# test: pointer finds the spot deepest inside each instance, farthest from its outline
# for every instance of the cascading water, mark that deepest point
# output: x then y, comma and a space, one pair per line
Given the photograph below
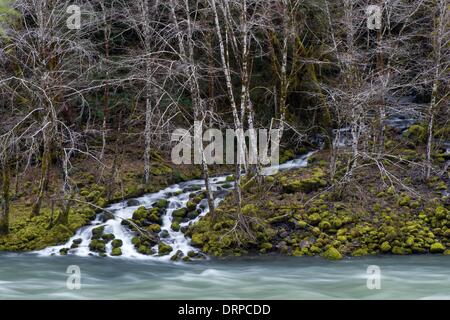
177, 197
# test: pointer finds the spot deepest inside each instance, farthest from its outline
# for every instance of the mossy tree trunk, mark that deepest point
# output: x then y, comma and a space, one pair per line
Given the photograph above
4, 213
43, 181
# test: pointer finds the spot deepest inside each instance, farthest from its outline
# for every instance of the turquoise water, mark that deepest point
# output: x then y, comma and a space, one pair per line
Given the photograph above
28, 276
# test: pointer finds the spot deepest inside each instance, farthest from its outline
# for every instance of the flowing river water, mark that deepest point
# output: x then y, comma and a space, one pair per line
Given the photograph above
28, 276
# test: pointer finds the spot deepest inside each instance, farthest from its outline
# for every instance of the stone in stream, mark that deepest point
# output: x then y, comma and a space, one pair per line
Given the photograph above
175, 226
117, 243
164, 234
116, 252
63, 251
164, 249
97, 232
133, 203
177, 256
191, 206
108, 237
105, 216
179, 213
77, 241
97, 246
161, 203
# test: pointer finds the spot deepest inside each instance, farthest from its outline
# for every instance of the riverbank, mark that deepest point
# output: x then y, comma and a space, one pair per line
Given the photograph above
301, 213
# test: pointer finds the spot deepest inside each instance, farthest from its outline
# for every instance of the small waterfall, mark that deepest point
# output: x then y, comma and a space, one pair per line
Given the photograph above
177, 197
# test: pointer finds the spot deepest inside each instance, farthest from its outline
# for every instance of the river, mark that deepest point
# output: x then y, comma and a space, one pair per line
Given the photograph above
28, 276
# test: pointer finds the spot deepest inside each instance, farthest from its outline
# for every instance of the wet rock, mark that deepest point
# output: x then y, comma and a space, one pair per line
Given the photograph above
164, 234
77, 241
437, 247
97, 246
133, 203
164, 249
97, 232
177, 256
116, 252
332, 254
179, 213
161, 203
175, 226
63, 251
108, 237
117, 243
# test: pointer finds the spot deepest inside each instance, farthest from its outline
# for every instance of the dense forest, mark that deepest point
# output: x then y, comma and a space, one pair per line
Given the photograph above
92, 91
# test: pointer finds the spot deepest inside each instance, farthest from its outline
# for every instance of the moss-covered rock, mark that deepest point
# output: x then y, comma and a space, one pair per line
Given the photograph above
116, 251
117, 243
437, 248
164, 249
332, 254
140, 214
97, 246
175, 226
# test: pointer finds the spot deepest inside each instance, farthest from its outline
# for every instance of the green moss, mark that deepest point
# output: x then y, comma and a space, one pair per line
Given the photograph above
116, 252
404, 201
191, 206
437, 247
175, 226
117, 243
249, 210
324, 225
314, 218
416, 133
360, 252
97, 246
179, 213
156, 228
108, 237
140, 214
98, 232
162, 203
441, 213
164, 249
332, 254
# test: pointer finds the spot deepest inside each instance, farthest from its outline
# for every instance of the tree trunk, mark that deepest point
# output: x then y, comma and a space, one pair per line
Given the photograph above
4, 214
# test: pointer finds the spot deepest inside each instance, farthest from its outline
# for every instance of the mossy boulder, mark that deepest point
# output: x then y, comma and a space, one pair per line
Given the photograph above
162, 203
437, 247
97, 232
116, 251
117, 243
164, 249
140, 214
175, 226
191, 206
108, 237
155, 228
179, 213
360, 252
97, 246
332, 254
